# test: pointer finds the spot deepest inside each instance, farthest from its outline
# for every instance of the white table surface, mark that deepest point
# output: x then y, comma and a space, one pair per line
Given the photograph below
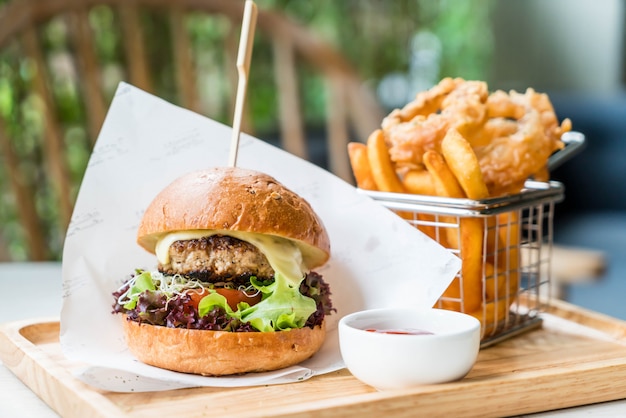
41, 297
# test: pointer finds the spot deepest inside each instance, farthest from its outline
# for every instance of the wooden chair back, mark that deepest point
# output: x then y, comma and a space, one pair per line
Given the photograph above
351, 110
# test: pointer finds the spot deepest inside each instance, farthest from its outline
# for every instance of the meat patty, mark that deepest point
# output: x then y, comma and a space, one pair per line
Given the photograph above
217, 258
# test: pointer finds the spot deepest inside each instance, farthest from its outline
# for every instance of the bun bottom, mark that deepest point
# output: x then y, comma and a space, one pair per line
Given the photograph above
220, 353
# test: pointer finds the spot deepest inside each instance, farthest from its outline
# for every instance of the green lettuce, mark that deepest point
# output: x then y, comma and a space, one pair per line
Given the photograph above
282, 306
141, 283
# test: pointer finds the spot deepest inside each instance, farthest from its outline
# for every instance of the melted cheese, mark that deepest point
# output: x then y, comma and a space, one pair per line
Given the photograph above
282, 254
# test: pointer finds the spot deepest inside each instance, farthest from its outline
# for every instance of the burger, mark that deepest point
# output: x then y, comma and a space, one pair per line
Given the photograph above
234, 290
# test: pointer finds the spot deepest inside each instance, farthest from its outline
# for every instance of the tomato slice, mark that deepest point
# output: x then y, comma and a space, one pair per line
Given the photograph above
196, 296
233, 297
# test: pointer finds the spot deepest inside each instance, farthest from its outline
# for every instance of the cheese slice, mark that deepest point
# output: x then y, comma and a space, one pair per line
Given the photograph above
282, 254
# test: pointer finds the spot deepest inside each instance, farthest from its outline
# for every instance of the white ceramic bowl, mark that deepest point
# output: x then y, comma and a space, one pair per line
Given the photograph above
393, 361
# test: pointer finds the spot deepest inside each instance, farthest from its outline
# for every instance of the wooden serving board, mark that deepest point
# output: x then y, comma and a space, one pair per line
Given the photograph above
578, 357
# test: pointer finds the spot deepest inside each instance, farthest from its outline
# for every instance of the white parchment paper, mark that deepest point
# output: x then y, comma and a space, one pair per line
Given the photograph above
378, 260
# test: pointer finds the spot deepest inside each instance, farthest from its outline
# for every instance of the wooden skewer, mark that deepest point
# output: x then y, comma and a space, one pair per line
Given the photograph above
244, 55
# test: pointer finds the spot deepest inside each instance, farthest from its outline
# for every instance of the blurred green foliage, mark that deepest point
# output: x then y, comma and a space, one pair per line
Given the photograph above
374, 35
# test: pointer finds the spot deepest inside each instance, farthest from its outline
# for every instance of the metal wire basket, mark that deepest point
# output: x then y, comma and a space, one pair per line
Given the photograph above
513, 265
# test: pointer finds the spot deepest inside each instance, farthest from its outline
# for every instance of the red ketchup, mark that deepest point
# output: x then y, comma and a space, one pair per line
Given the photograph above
406, 331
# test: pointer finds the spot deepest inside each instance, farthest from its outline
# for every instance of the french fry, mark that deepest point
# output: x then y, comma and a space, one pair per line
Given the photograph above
491, 314
444, 181
357, 153
430, 227
502, 289
495, 283
494, 248
418, 181
381, 165
451, 297
471, 246
425, 223
407, 216
471, 232
510, 236
421, 182
462, 161
446, 185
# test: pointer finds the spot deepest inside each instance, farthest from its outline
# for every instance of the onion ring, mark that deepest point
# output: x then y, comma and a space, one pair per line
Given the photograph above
513, 134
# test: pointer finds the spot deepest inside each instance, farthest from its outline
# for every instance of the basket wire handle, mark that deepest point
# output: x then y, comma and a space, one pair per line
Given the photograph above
574, 143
